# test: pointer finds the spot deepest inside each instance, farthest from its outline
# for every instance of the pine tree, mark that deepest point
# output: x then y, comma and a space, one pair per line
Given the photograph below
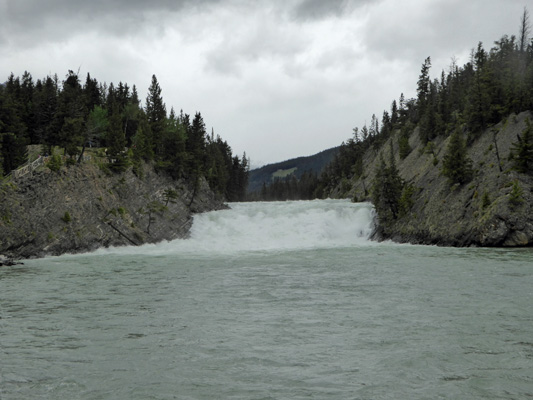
387, 190
522, 150
45, 110
483, 100
196, 144
130, 116
116, 142
394, 113
13, 151
71, 112
27, 91
157, 114
423, 87
95, 129
174, 156
91, 93
71, 135
524, 32
141, 142
13, 128
403, 142
456, 165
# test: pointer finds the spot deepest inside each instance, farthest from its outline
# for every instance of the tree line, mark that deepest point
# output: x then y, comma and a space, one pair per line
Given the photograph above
73, 116
288, 188
461, 103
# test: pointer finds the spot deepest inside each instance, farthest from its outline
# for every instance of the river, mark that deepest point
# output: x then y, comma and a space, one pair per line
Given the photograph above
285, 300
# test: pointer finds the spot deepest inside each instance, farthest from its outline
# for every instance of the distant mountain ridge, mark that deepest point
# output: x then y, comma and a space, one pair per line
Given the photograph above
296, 166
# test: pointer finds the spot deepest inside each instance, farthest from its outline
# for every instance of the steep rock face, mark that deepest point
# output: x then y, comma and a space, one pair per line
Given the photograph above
481, 212
82, 208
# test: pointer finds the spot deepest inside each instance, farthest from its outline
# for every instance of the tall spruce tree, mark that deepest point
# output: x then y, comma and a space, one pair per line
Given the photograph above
116, 141
456, 165
522, 150
387, 190
157, 114
423, 87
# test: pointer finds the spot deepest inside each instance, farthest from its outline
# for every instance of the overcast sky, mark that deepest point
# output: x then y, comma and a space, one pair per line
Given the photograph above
278, 79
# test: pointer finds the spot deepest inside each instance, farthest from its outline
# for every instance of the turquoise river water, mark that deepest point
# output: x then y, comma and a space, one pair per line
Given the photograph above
284, 300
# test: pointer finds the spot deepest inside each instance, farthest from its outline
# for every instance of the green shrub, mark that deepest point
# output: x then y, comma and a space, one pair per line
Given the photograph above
66, 218
456, 165
485, 200
522, 151
55, 163
406, 200
516, 196
403, 145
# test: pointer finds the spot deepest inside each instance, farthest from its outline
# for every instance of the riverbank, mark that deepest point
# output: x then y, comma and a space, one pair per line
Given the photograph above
493, 209
84, 207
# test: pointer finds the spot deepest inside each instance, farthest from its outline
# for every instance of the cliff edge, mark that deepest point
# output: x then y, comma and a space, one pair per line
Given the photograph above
494, 208
82, 208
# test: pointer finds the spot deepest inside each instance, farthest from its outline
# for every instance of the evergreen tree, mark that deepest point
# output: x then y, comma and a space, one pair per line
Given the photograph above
374, 126
13, 151
387, 190
157, 114
69, 119
174, 157
423, 86
524, 32
141, 142
196, 144
364, 133
95, 128
130, 116
116, 142
394, 113
479, 100
73, 116
522, 150
45, 110
456, 165
403, 142
71, 135
13, 129
27, 91
402, 109
91, 93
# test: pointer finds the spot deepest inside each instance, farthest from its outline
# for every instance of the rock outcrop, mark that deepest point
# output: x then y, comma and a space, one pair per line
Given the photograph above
82, 208
483, 212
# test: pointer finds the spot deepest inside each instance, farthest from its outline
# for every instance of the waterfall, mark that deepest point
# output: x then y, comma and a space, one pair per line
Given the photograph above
272, 226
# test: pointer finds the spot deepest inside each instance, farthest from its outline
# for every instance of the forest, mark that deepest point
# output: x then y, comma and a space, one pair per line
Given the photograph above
463, 101
68, 119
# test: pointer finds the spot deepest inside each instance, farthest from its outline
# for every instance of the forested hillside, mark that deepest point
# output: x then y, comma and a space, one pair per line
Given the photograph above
293, 179
67, 117
453, 165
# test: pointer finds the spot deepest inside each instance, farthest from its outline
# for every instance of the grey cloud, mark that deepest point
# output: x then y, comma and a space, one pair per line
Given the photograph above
319, 9
30, 22
253, 41
35, 9
444, 29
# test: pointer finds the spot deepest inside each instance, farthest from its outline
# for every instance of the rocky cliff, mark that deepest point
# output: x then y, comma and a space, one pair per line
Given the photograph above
82, 207
495, 208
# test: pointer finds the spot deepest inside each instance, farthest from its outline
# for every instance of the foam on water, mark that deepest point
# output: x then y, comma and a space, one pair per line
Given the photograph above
272, 226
